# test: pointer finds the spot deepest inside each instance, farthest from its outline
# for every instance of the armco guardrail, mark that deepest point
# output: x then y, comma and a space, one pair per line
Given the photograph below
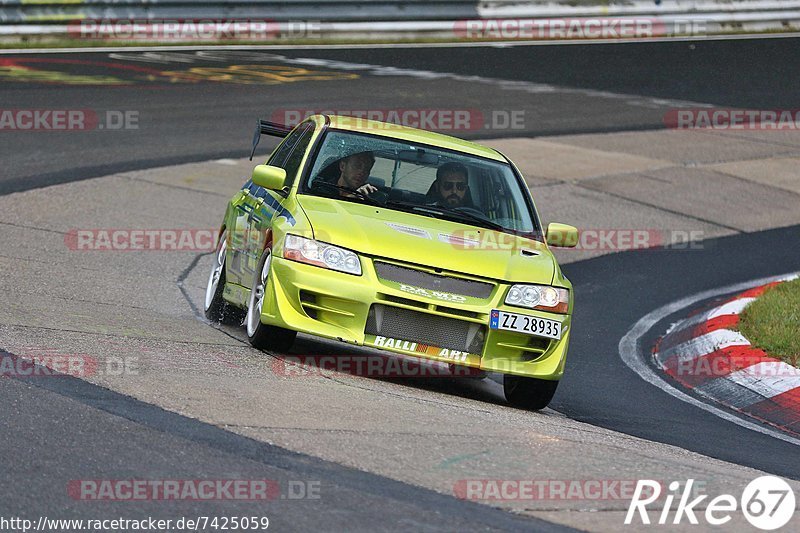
577, 8
26, 12
367, 19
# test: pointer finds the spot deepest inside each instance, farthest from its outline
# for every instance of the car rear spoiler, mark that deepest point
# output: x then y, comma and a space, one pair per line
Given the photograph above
265, 127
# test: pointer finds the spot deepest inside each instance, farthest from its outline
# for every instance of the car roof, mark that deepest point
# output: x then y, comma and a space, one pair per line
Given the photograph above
406, 133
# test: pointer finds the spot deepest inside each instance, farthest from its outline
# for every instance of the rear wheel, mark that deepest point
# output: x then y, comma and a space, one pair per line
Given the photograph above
260, 335
528, 393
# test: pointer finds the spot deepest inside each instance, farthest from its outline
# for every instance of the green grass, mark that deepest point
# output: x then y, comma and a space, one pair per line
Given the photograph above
772, 322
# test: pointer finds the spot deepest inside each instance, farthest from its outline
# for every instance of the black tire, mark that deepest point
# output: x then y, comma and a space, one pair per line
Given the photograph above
263, 336
528, 393
215, 307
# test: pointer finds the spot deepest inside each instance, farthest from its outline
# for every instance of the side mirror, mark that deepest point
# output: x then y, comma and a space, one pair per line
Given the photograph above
562, 235
269, 177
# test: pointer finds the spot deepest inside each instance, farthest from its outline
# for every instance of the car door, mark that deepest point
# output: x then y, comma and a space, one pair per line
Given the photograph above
263, 204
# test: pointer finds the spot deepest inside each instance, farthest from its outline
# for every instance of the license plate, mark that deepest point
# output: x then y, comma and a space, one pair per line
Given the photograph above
540, 327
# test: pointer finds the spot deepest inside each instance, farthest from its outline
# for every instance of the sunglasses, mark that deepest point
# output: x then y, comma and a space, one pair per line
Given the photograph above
449, 185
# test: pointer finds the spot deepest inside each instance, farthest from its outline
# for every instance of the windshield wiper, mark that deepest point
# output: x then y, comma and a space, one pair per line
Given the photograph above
450, 213
479, 218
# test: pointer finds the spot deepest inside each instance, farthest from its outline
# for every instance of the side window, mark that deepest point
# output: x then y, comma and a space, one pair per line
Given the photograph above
292, 164
279, 156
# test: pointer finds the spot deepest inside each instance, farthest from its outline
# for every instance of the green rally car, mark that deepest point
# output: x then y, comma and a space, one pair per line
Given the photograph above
398, 239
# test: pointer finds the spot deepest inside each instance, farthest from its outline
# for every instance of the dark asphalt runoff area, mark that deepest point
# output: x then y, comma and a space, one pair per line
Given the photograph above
559, 88
615, 292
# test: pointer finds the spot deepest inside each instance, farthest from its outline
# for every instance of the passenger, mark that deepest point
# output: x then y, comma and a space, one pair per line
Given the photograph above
451, 188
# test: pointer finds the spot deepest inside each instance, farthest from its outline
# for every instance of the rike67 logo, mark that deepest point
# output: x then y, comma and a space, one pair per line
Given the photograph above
767, 503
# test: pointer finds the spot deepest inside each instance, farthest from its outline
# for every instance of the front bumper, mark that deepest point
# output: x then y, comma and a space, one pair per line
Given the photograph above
334, 305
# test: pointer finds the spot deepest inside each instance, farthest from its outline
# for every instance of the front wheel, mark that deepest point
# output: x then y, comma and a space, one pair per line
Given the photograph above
260, 335
528, 393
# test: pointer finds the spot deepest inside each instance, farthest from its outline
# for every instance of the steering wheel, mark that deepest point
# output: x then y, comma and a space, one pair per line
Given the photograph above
380, 195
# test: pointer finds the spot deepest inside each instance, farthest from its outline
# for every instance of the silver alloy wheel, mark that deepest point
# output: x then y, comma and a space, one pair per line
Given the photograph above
256, 302
216, 271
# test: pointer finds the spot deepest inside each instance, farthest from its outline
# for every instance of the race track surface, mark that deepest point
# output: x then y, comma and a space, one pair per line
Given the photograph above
387, 454
560, 89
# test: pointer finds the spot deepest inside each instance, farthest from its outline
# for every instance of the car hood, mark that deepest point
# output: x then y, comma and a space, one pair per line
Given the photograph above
423, 240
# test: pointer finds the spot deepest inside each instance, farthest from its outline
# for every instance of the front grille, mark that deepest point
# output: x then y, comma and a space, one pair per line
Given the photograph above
423, 305
425, 328
434, 282
402, 301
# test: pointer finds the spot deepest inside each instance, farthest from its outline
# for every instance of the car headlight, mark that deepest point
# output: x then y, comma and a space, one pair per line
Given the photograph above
541, 297
321, 254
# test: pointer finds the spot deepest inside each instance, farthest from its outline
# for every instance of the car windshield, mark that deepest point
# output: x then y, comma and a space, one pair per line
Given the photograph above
420, 179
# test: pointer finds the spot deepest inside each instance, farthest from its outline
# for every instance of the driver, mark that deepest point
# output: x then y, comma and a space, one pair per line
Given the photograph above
451, 188
353, 174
